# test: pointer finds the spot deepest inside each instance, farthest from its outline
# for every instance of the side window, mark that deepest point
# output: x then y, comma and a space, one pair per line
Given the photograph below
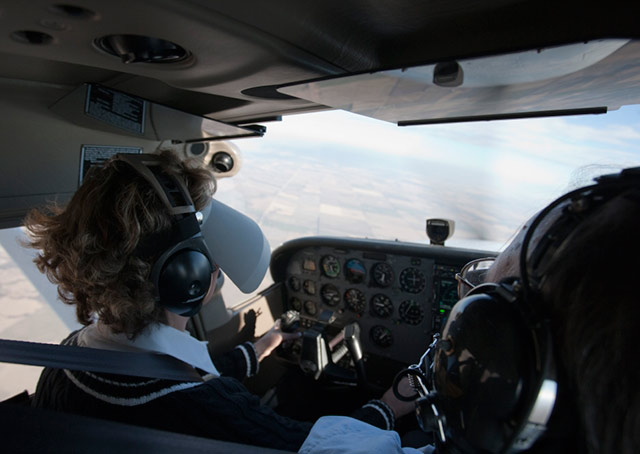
29, 310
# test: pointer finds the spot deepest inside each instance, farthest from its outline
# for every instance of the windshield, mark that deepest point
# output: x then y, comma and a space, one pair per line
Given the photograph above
339, 174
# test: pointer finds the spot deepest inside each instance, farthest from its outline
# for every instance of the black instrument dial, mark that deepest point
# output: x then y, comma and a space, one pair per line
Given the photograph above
309, 264
310, 307
330, 266
382, 274
295, 304
294, 284
411, 312
381, 336
412, 280
355, 300
381, 306
309, 287
330, 294
355, 271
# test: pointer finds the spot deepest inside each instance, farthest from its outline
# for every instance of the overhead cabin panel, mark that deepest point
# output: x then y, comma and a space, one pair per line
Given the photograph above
238, 52
224, 58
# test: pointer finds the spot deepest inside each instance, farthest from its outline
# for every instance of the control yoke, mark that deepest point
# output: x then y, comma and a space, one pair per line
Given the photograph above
319, 355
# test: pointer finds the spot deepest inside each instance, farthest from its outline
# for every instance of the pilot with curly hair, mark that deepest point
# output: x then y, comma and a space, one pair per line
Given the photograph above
101, 250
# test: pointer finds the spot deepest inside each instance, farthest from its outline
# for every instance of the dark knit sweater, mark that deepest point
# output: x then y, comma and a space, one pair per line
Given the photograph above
220, 408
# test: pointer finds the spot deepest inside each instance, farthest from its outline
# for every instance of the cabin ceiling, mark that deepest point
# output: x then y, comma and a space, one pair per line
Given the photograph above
240, 52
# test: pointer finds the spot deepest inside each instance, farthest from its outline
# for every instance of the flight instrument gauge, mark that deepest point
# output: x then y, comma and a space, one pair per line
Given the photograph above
412, 280
330, 266
355, 300
330, 294
310, 307
381, 336
309, 287
295, 304
355, 271
411, 312
294, 283
381, 306
382, 274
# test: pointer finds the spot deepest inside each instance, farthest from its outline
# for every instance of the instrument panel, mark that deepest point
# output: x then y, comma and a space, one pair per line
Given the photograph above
398, 293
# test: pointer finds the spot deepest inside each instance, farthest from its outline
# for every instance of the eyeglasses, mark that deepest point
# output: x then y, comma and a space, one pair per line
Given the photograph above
473, 274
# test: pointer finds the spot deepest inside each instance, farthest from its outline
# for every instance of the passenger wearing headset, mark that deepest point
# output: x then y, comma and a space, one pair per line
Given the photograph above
138, 250
537, 356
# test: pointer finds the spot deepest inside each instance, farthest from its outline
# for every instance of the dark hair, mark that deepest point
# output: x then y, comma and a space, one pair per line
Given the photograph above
591, 289
88, 247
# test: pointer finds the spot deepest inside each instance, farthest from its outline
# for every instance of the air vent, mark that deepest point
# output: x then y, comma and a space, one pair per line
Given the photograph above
222, 162
75, 12
31, 37
142, 49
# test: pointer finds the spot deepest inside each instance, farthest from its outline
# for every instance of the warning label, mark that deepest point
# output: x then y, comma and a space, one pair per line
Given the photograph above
115, 108
96, 155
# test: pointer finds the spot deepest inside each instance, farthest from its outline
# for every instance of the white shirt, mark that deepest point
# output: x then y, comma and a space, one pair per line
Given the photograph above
343, 435
157, 338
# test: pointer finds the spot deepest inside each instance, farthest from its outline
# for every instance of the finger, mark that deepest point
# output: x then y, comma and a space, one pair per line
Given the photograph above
290, 336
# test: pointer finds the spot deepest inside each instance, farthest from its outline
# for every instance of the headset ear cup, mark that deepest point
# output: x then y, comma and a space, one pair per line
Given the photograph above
181, 273
184, 281
482, 370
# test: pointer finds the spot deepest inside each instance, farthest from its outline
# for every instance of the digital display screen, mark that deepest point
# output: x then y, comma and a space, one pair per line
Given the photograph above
448, 294
445, 294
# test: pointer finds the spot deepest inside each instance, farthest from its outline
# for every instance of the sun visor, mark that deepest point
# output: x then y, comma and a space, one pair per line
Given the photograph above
237, 245
583, 78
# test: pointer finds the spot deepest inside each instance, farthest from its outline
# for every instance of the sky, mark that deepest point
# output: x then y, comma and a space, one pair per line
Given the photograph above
489, 177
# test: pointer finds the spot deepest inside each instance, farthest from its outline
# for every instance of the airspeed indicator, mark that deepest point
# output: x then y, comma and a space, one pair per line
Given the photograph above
330, 266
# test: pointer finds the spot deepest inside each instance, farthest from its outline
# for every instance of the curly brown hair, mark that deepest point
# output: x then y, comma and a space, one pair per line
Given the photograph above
88, 247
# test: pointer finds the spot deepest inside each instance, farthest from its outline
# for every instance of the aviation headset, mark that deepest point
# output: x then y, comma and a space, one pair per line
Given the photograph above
493, 374
181, 273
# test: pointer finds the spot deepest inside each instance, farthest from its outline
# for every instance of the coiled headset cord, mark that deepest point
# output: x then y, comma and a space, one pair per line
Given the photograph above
417, 375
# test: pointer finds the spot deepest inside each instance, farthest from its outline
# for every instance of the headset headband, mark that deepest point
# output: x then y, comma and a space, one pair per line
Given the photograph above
584, 201
172, 191
232, 239
182, 267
